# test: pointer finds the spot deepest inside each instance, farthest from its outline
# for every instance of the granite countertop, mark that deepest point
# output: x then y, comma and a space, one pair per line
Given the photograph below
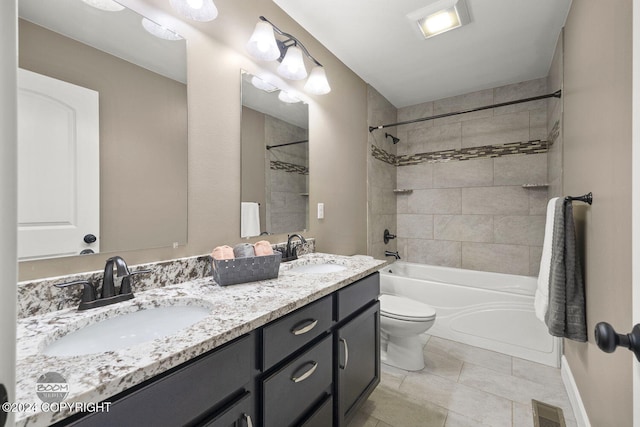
235, 311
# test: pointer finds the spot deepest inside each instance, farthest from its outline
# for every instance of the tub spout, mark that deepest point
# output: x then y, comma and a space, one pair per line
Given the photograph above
393, 254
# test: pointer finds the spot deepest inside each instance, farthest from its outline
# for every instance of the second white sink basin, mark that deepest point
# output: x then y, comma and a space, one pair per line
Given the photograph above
127, 330
318, 268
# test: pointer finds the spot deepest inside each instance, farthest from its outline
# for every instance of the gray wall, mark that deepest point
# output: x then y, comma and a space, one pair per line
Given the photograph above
474, 213
253, 166
597, 158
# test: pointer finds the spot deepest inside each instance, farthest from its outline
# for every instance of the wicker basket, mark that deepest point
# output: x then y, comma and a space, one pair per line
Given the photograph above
242, 270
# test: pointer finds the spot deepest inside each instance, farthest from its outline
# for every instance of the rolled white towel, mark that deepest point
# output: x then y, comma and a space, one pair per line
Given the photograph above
541, 301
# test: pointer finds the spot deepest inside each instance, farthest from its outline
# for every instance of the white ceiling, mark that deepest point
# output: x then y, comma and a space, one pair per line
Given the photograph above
507, 41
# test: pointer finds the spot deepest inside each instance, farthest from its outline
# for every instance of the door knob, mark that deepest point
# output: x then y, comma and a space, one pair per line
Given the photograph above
608, 339
89, 238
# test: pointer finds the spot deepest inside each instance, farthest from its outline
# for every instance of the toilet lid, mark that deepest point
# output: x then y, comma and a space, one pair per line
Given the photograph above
404, 308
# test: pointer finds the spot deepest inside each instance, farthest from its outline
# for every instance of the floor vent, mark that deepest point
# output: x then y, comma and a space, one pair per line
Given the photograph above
545, 415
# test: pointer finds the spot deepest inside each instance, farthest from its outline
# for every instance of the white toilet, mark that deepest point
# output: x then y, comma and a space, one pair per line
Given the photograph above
402, 320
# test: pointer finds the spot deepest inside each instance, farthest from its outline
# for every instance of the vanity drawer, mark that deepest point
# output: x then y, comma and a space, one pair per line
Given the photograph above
322, 416
284, 336
183, 395
292, 390
357, 295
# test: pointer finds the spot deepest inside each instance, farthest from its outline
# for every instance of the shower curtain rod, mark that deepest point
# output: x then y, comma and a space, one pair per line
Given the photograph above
269, 147
556, 94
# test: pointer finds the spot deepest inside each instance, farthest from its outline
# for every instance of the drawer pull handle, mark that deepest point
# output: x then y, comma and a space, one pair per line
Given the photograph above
306, 374
247, 420
297, 330
346, 353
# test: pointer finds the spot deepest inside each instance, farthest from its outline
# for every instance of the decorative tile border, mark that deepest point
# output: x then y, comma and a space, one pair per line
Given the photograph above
555, 133
485, 151
289, 167
382, 155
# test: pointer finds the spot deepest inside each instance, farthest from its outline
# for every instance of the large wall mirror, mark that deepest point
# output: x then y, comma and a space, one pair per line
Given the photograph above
275, 160
102, 125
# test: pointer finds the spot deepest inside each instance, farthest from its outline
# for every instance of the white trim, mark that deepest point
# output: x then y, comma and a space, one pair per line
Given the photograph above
574, 395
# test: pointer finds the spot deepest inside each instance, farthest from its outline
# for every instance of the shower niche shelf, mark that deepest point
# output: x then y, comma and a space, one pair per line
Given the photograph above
541, 185
402, 190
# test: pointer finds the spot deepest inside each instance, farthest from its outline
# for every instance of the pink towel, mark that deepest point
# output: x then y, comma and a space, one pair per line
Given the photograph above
223, 252
263, 247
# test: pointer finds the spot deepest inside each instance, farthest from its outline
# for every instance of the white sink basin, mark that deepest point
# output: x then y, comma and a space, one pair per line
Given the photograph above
318, 268
127, 330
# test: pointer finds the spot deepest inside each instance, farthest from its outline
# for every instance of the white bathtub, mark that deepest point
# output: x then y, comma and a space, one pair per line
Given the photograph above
488, 310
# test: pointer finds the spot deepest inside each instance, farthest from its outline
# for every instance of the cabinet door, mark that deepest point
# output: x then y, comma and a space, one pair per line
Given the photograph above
358, 367
239, 413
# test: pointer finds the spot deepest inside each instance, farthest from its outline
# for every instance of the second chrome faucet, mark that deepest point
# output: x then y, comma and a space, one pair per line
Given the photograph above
108, 295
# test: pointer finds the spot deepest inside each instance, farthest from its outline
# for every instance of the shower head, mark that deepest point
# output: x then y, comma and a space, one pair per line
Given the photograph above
393, 138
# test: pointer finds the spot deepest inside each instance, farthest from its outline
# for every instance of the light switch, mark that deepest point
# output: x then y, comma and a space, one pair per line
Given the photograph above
320, 210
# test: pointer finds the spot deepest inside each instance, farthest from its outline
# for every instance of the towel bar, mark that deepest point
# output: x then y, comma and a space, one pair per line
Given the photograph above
587, 198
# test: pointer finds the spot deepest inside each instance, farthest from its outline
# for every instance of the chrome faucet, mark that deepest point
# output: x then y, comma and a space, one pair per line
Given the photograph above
292, 253
108, 294
393, 254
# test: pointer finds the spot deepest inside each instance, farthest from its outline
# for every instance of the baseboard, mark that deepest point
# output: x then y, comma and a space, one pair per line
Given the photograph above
574, 395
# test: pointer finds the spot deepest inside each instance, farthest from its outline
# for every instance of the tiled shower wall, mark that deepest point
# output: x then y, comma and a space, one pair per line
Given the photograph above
288, 177
381, 177
472, 213
554, 122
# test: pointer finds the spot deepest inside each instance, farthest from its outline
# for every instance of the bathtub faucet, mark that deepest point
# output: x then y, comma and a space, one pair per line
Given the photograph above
393, 254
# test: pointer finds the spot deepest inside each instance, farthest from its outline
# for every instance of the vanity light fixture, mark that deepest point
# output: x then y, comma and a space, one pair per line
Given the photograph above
440, 17
107, 5
198, 10
261, 84
159, 31
290, 52
287, 97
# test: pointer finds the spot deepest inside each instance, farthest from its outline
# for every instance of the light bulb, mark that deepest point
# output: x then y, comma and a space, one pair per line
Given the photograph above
317, 82
287, 97
195, 4
198, 10
292, 66
262, 44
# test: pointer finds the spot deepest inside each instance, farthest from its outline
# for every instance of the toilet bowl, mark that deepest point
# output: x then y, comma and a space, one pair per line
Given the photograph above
402, 320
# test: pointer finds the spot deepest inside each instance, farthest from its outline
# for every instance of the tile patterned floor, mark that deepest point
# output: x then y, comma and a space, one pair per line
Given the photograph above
463, 386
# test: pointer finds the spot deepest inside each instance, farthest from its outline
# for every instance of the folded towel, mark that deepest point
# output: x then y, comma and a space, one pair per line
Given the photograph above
243, 250
566, 316
249, 219
263, 247
222, 252
541, 301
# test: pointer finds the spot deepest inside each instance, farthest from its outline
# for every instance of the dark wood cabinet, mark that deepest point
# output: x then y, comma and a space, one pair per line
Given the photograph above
358, 361
198, 390
313, 367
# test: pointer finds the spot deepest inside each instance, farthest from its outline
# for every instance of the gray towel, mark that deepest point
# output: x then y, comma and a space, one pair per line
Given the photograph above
566, 316
243, 250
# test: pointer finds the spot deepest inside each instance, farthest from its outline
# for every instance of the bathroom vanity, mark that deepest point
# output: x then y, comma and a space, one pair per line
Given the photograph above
302, 349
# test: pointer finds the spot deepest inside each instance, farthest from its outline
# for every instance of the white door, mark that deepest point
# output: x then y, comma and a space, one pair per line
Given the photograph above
58, 167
